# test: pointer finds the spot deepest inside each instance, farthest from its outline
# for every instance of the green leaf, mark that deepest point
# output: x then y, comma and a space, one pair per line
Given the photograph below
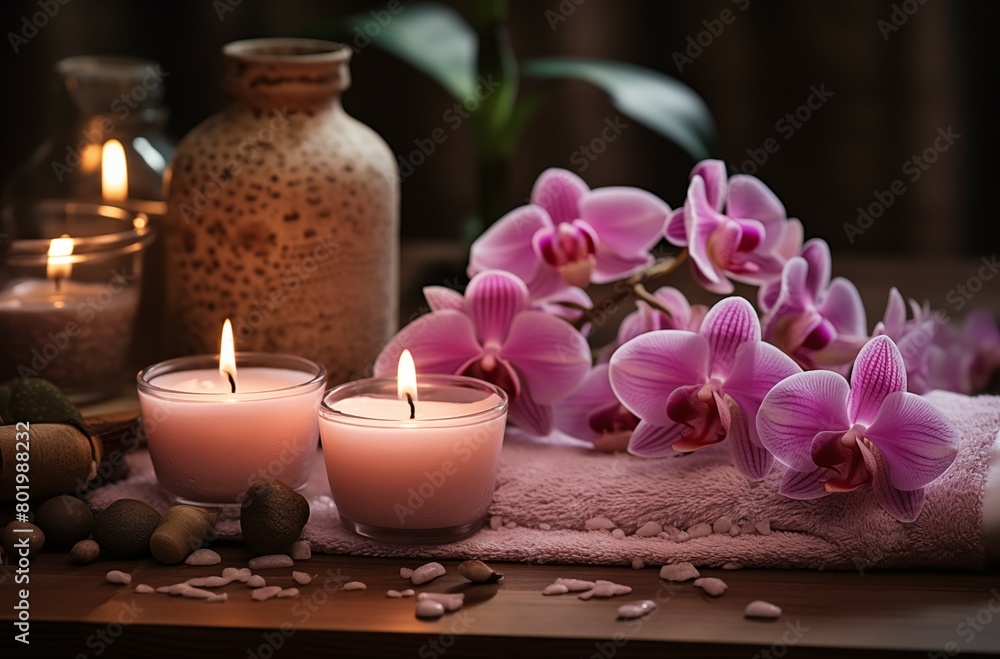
657, 101
429, 37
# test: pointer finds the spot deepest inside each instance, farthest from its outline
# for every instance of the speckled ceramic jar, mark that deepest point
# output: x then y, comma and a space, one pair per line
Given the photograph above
283, 215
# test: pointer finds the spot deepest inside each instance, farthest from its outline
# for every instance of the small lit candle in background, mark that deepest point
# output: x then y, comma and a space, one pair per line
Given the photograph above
215, 424
413, 459
114, 172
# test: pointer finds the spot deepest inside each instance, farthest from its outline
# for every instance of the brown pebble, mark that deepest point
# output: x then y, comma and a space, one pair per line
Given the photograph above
270, 561
478, 572
84, 552
16, 532
300, 550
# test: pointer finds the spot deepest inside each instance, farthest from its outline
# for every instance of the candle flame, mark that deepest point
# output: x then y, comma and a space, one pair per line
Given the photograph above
114, 172
406, 377
227, 355
57, 264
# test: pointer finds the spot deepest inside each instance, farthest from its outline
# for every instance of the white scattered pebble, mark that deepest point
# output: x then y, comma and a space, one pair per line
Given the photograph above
117, 576
671, 531
427, 572
734, 531
638, 563
203, 557
711, 585
144, 589
496, 522
300, 550
732, 566
574, 585
302, 578
618, 533
208, 582
664, 535
256, 581
196, 593
604, 588
764, 527
218, 597
429, 609
762, 609
700, 530
545, 526
450, 601
271, 561
510, 525
599, 523
748, 528
679, 572
409, 592
232, 573
636, 609
555, 589
681, 536
722, 525
648, 530
288, 592
395, 594
174, 589
405, 572
244, 574
266, 593
354, 585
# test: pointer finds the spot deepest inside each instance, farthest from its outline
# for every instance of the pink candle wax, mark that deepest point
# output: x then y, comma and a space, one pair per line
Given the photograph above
208, 445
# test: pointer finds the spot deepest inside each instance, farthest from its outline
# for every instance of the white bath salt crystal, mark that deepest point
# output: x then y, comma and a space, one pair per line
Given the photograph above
734, 531
354, 585
762, 609
648, 530
203, 557
679, 572
300, 550
711, 585
208, 582
288, 592
218, 597
636, 609
618, 533
144, 589
555, 589
681, 536
450, 601
731, 566
748, 528
117, 576
587, 595
722, 525
575, 585
671, 531
764, 527
195, 593
395, 594
604, 588
302, 578
638, 564
271, 561
545, 526
244, 574
496, 522
405, 572
232, 573
599, 523
426, 573
663, 535
700, 530
429, 609
262, 594
510, 525
174, 589
409, 592
256, 581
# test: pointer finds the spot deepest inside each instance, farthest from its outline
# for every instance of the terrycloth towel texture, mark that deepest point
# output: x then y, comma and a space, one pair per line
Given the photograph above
565, 486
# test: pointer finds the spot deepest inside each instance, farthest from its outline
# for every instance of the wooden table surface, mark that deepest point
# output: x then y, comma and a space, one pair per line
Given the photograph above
75, 613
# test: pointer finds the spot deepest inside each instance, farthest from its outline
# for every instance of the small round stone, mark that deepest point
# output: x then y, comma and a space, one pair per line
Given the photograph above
711, 585
429, 609
84, 552
762, 609
631, 610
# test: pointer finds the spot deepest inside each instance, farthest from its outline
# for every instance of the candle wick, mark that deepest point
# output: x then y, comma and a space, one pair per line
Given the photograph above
413, 409
232, 382
58, 281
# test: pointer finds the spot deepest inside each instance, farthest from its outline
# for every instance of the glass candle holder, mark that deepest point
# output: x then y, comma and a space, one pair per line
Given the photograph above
69, 291
209, 445
422, 480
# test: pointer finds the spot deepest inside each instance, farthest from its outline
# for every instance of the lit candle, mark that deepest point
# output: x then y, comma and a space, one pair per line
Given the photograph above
212, 435
413, 459
114, 172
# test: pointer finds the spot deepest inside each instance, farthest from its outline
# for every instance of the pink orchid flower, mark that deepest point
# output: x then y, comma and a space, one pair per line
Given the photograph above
492, 334
593, 413
570, 236
733, 230
818, 322
683, 315
835, 437
695, 389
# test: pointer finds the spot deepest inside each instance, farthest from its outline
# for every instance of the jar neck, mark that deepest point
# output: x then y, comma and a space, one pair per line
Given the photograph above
290, 73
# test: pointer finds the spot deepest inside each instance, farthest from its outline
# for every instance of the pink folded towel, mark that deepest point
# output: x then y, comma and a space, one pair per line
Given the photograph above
564, 486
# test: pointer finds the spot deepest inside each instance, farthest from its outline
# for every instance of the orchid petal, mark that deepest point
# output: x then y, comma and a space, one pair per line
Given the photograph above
507, 244
729, 324
904, 505
790, 241
816, 253
798, 408
878, 371
440, 298
559, 191
500, 373
441, 342
895, 314
593, 392
648, 368
700, 221
753, 460
843, 307
628, 220
674, 229
530, 415
612, 265
750, 199
652, 441
758, 367
493, 299
917, 441
713, 173
706, 422
768, 294
804, 485
550, 355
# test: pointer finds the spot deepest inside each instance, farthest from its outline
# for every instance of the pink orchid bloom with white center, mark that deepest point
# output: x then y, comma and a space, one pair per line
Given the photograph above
838, 437
695, 389
570, 236
818, 322
735, 229
683, 315
593, 413
491, 333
